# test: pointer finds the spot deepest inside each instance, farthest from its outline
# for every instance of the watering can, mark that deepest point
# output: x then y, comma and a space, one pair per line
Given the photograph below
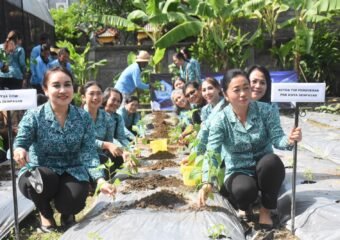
159, 145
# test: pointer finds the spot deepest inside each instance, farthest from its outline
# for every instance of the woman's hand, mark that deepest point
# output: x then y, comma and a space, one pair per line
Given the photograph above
203, 194
113, 149
127, 159
20, 156
107, 188
185, 161
295, 135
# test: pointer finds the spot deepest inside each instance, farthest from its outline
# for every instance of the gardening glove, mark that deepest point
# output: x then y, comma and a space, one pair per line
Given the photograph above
203, 194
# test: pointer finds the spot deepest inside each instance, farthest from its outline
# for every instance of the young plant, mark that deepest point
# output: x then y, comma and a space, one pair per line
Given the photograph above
4, 59
94, 236
308, 175
107, 166
217, 231
140, 128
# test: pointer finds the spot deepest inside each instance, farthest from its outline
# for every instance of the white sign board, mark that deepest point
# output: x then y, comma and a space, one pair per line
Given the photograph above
18, 99
298, 92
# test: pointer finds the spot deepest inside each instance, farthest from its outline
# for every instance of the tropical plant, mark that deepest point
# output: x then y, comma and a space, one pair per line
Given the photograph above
220, 43
159, 14
66, 22
320, 63
308, 13
83, 70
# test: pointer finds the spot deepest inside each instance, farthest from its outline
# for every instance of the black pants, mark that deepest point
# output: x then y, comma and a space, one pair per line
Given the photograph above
11, 83
68, 193
242, 190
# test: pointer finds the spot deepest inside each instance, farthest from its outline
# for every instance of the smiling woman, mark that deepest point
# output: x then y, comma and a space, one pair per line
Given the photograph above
260, 83
58, 140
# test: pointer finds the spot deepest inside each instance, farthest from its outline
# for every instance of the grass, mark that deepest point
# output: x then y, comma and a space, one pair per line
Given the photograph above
28, 227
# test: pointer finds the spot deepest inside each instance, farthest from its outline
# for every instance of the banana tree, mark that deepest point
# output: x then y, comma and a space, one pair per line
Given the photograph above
308, 13
267, 13
159, 14
220, 42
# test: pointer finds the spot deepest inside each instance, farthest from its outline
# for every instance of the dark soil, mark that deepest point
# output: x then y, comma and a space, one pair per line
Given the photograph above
162, 165
5, 173
161, 155
152, 182
161, 200
160, 126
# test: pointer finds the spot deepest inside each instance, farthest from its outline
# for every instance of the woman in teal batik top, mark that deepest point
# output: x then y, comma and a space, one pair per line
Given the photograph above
244, 132
112, 100
58, 139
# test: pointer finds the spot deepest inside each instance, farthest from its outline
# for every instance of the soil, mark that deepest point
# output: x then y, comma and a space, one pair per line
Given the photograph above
161, 155
164, 199
162, 165
160, 126
152, 182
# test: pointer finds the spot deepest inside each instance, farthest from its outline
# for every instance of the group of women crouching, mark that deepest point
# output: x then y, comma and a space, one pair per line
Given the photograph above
239, 123
66, 144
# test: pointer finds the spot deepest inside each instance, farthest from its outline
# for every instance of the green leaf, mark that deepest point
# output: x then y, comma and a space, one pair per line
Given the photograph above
180, 32
204, 10
117, 182
137, 15
217, 5
118, 22
159, 55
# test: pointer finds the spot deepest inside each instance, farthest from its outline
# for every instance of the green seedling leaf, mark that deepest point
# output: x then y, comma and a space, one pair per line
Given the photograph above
117, 182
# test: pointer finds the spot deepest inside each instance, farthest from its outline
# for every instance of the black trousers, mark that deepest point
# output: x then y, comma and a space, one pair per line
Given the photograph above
68, 193
242, 190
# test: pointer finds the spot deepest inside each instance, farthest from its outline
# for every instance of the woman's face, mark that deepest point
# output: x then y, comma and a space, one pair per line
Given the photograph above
10, 46
132, 107
258, 84
179, 84
210, 93
93, 97
59, 89
180, 100
193, 95
113, 103
238, 93
177, 62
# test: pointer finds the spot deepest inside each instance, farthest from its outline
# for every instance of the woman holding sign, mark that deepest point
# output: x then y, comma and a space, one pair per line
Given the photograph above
56, 142
245, 133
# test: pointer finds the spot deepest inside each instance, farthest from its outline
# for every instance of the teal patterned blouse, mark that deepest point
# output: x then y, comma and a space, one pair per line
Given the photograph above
203, 134
129, 121
242, 146
207, 109
103, 128
69, 149
189, 72
119, 137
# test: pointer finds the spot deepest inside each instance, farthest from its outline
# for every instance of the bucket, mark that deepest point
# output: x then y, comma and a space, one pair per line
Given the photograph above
186, 171
159, 145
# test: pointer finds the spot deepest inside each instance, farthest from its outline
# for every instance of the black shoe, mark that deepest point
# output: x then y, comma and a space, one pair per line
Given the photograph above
67, 221
266, 227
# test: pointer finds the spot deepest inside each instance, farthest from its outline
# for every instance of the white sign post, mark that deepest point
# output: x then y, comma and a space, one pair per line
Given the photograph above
297, 93
16, 100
